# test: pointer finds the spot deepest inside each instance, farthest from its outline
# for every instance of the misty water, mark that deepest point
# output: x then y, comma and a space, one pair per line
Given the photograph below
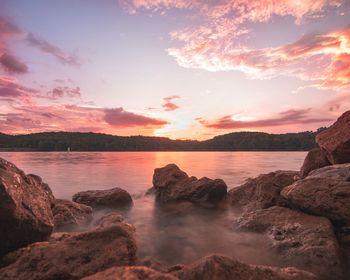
169, 238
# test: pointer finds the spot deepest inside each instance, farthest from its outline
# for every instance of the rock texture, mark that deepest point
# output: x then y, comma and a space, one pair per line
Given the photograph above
25, 208
115, 198
130, 273
172, 184
69, 215
301, 240
335, 140
218, 267
316, 158
73, 255
325, 192
262, 191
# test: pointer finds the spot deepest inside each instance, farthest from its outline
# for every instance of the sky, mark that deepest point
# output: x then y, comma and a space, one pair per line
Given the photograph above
180, 69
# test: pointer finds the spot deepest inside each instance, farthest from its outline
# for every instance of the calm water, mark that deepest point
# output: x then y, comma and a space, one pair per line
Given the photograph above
170, 239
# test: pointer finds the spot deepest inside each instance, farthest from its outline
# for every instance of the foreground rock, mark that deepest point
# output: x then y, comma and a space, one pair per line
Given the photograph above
217, 267
301, 240
69, 215
316, 158
73, 255
325, 192
335, 140
172, 184
115, 198
25, 208
262, 191
130, 273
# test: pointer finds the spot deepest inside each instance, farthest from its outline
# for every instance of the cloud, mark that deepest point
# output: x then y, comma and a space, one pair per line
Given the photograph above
292, 116
65, 91
12, 64
169, 105
7, 30
48, 48
118, 117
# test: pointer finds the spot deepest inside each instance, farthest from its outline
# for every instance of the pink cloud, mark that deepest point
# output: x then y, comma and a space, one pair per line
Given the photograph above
12, 64
169, 105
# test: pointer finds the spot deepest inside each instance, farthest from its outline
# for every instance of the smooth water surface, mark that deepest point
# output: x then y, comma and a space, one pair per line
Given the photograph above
168, 238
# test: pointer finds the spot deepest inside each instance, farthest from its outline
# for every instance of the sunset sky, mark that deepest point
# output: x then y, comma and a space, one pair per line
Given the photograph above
180, 69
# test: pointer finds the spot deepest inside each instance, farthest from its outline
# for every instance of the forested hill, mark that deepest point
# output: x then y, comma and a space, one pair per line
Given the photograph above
237, 141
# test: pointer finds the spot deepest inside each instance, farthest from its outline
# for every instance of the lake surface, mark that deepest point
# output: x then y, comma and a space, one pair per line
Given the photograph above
168, 238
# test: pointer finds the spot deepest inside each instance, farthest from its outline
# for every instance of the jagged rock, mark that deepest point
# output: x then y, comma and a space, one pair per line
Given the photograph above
262, 191
325, 192
25, 208
218, 267
172, 184
115, 198
69, 215
73, 255
335, 140
130, 273
301, 240
153, 263
316, 158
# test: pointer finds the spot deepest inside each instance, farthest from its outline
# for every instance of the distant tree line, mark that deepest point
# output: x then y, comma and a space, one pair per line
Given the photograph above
237, 141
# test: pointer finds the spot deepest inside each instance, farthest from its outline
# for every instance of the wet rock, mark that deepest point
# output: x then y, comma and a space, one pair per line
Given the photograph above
25, 208
172, 184
115, 198
109, 220
262, 191
335, 140
301, 240
72, 255
69, 215
130, 273
218, 267
325, 192
316, 158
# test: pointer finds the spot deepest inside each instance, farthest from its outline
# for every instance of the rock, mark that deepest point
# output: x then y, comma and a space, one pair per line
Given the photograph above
115, 198
25, 208
344, 243
130, 273
325, 192
262, 191
109, 220
72, 255
153, 263
301, 240
69, 215
218, 267
172, 184
335, 140
316, 158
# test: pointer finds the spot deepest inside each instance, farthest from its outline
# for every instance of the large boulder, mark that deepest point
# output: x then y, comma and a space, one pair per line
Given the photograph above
115, 198
130, 273
335, 140
218, 267
325, 192
69, 215
71, 256
300, 240
25, 208
316, 158
262, 191
173, 184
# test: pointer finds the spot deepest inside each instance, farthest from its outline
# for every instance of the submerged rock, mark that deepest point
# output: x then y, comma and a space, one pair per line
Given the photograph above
325, 192
218, 267
335, 140
73, 255
25, 208
262, 191
130, 273
115, 198
301, 240
69, 215
316, 158
173, 184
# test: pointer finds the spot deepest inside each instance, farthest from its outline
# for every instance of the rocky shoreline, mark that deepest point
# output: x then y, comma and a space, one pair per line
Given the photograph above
305, 217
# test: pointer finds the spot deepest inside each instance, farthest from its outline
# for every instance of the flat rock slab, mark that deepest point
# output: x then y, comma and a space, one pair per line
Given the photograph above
25, 208
301, 240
